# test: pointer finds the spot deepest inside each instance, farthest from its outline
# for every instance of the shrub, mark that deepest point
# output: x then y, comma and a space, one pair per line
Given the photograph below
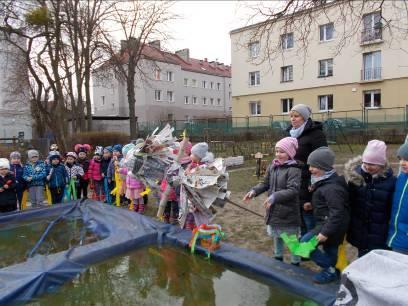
98, 139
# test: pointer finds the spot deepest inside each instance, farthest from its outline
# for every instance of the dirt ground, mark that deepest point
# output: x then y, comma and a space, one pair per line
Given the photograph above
247, 230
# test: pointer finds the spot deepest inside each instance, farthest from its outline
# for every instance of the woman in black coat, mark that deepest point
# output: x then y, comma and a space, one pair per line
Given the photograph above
310, 136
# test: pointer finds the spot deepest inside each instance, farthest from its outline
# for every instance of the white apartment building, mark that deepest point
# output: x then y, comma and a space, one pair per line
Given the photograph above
171, 86
369, 72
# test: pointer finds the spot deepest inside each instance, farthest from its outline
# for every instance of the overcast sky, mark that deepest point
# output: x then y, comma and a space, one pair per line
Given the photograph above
204, 28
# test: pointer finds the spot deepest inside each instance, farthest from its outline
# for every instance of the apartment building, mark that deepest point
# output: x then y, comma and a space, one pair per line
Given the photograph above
369, 72
168, 86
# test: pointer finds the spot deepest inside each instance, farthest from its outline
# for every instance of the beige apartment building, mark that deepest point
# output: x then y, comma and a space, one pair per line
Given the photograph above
369, 72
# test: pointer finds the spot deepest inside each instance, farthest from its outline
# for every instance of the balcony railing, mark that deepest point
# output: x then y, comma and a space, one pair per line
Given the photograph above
371, 74
371, 34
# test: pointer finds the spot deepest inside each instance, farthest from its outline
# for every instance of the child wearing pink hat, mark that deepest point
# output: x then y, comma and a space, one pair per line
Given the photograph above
371, 185
282, 182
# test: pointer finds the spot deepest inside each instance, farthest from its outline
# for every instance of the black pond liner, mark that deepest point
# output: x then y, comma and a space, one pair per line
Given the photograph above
121, 231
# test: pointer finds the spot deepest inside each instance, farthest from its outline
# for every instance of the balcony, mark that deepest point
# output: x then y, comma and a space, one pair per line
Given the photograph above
371, 36
371, 74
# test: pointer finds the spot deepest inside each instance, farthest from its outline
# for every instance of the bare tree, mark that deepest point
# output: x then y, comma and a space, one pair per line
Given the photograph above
138, 22
302, 17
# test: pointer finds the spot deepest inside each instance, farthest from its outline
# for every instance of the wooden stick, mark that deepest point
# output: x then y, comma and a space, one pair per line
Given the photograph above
244, 208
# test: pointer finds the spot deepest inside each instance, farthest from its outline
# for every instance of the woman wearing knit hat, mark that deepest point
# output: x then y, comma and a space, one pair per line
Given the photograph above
398, 230
330, 201
8, 198
282, 182
371, 185
310, 136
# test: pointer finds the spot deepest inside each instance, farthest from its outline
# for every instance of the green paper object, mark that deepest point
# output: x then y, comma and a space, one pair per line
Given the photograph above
302, 249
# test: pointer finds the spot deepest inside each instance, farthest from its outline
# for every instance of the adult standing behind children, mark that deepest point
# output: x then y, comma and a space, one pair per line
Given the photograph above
310, 136
371, 186
34, 174
398, 231
8, 198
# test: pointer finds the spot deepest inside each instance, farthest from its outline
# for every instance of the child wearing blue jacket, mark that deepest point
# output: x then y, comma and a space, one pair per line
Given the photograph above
398, 231
34, 174
57, 178
17, 169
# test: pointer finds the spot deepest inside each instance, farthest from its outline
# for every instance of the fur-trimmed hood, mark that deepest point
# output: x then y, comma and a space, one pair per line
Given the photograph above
352, 171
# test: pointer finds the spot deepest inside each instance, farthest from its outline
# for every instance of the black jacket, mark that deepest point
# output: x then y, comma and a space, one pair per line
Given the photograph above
311, 138
283, 182
370, 205
8, 196
330, 201
104, 166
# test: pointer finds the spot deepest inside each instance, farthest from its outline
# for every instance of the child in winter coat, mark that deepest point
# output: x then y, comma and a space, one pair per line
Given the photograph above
105, 162
57, 178
8, 197
371, 186
199, 156
17, 169
330, 201
134, 188
282, 182
83, 162
75, 172
34, 174
398, 230
95, 175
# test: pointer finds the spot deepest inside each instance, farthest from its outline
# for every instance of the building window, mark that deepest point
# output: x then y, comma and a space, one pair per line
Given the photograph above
287, 105
194, 100
326, 31
255, 108
211, 101
186, 100
170, 76
254, 49
254, 78
157, 74
204, 100
204, 84
372, 27
287, 41
287, 73
185, 82
218, 101
326, 67
218, 86
325, 103
194, 83
372, 98
157, 95
103, 100
371, 66
170, 96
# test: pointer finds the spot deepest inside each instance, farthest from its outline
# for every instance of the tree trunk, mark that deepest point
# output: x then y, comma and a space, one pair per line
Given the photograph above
132, 110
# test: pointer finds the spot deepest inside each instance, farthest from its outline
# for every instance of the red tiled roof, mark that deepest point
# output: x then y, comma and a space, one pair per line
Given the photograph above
193, 65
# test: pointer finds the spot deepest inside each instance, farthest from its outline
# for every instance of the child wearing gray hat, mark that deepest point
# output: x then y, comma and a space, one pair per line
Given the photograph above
330, 202
34, 173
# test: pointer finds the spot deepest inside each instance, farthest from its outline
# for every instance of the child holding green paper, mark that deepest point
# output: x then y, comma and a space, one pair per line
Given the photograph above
282, 182
75, 172
330, 201
57, 177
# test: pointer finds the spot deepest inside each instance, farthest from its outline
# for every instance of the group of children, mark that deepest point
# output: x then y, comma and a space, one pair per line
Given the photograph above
73, 175
368, 206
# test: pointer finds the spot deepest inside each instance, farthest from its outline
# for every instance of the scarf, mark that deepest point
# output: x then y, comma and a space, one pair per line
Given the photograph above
314, 179
277, 163
297, 132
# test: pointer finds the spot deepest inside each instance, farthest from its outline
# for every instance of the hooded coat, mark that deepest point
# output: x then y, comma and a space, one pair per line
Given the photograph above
370, 205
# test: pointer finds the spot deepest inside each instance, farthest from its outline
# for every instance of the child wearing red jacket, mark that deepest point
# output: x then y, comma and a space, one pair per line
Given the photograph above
95, 175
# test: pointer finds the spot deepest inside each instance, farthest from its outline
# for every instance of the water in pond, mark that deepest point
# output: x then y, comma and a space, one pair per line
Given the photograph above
17, 240
166, 276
